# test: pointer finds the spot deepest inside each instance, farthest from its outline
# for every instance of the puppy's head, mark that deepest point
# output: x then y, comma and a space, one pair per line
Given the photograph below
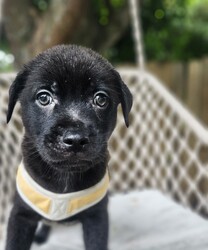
69, 97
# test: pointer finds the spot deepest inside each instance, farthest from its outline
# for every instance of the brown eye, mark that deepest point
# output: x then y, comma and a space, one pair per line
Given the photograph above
44, 98
101, 99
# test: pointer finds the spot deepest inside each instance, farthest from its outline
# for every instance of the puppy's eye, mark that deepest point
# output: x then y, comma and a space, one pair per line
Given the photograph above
101, 99
44, 98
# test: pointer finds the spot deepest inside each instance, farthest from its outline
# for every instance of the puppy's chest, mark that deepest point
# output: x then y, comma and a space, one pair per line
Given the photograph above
57, 207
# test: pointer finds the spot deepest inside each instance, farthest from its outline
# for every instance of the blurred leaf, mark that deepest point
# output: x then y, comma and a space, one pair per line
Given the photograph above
172, 30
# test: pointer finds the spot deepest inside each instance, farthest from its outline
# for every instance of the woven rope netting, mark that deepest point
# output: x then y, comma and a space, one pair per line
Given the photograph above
165, 147
10, 139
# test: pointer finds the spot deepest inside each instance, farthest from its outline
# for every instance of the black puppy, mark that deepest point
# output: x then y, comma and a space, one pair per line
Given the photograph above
69, 97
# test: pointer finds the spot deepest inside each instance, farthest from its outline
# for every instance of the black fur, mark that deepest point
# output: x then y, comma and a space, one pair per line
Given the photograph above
65, 143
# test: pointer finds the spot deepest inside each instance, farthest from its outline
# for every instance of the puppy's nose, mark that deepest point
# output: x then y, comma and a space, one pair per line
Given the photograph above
75, 142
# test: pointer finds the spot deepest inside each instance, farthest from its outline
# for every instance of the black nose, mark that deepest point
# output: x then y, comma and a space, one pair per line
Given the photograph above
75, 142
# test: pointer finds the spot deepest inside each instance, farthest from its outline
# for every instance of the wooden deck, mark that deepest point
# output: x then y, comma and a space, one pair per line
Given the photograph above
141, 221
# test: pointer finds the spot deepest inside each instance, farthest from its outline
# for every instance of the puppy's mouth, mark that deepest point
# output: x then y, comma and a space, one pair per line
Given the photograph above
64, 158
67, 162
61, 155
72, 167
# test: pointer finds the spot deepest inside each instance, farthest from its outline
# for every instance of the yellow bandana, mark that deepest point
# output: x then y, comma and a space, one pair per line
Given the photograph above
55, 206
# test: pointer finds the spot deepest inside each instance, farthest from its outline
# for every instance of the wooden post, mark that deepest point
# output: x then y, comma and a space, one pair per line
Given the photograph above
205, 91
194, 91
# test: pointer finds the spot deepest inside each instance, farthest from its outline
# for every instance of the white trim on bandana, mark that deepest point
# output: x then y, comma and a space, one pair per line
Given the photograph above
55, 206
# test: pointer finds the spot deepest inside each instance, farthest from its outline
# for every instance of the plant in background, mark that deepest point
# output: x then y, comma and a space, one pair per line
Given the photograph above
172, 30
45, 23
103, 9
41, 5
175, 30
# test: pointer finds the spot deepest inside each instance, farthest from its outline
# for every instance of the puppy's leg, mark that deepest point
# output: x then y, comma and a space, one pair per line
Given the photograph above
21, 227
95, 229
42, 234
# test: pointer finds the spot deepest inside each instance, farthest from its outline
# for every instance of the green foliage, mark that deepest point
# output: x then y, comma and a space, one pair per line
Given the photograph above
172, 30
41, 5
123, 51
181, 33
102, 9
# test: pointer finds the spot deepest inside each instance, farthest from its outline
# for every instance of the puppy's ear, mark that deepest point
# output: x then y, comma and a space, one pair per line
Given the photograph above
126, 100
15, 91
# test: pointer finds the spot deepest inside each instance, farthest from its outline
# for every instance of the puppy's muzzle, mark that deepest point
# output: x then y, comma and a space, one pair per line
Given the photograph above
75, 142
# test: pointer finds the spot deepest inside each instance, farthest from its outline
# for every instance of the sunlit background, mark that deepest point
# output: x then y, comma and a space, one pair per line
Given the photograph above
173, 30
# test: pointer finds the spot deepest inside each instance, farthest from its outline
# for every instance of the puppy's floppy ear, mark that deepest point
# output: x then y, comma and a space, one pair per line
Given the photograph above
15, 91
126, 100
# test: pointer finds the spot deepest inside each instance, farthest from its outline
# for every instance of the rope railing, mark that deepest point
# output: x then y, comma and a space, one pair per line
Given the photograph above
134, 7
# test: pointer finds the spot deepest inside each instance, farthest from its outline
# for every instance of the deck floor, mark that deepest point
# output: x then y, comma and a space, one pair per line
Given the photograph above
140, 221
